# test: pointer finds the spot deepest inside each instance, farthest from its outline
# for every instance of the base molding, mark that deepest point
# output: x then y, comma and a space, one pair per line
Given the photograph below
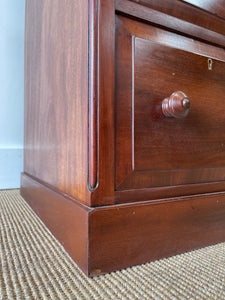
109, 238
66, 219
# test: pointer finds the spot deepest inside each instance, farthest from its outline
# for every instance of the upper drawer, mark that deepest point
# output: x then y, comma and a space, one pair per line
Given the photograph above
153, 150
203, 13
216, 7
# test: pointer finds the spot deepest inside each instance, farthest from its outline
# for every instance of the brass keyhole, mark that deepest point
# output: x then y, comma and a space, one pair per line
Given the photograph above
209, 64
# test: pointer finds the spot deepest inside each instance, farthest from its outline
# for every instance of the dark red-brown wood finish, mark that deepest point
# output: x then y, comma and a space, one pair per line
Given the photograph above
152, 150
109, 238
122, 165
177, 105
103, 192
182, 10
215, 7
56, 95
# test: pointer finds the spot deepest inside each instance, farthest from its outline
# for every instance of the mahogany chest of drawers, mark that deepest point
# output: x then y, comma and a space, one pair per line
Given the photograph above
124, 155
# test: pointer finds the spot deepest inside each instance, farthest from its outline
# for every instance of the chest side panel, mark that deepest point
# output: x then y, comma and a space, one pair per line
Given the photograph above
56, 94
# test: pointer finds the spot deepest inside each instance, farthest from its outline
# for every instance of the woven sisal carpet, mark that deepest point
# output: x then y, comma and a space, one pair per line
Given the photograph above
33, 265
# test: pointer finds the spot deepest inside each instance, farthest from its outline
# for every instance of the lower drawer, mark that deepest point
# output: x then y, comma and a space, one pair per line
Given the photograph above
186, 146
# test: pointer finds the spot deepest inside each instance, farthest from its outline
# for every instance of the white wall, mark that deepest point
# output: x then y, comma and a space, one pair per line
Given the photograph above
12, 18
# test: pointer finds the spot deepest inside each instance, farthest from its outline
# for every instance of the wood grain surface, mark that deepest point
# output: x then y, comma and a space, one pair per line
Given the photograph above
215, 7
110, 238
185, 11
125, 235
170, 22
115, 181
152, 150
66, 218
103, 194
93, 94
56, 95
69, 115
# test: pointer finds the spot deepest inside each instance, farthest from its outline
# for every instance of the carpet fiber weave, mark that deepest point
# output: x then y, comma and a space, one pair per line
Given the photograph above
33, 265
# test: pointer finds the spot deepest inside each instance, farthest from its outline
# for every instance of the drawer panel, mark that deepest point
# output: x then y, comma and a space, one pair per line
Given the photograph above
215, 7
189, 11
197, 140
153, 150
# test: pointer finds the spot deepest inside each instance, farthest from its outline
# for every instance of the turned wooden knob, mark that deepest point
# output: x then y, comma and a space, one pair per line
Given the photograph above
176, 106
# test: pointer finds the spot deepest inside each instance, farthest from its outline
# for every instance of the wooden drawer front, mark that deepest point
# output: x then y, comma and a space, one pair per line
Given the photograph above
215, 7
153, 150
186, 11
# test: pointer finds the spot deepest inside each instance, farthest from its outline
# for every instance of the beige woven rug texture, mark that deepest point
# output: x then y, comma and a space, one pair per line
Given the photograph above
33, 265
